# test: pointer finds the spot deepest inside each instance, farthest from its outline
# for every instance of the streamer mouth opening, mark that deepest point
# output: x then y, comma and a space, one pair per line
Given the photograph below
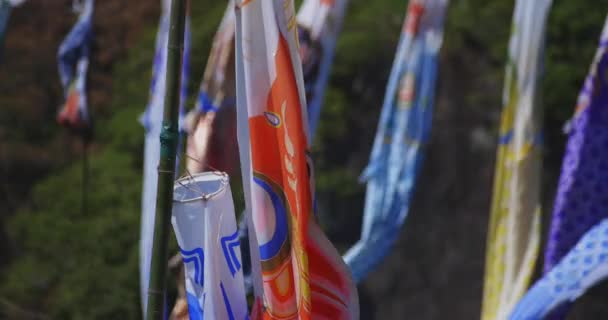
200, 186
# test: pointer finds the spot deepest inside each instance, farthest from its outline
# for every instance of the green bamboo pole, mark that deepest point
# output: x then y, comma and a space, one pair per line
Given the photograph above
166, 167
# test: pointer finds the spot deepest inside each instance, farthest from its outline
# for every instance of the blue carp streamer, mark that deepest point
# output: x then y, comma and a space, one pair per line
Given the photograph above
403, 130
73, 58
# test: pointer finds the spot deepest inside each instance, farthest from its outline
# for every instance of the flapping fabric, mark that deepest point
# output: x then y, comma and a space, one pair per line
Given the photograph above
302, 273
205, 227
211, 124
319, 23
584, 266
514, 229
581, 195
152, 122
403, 130
73, 58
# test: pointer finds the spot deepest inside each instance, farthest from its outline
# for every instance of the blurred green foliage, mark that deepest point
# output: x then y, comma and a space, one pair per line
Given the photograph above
70, 264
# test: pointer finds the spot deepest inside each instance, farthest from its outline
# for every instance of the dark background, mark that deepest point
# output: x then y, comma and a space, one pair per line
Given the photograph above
59, 262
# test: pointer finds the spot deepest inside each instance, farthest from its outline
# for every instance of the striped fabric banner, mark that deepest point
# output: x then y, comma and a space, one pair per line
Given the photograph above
402, 132
302, 275
514, 229
152, 122
73, 58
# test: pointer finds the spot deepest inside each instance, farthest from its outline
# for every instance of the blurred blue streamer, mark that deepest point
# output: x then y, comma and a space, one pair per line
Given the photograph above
5, 13
404, 126
73, 61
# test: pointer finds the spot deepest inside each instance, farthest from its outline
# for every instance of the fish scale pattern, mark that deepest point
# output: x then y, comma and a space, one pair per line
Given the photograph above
585, 265
581, 194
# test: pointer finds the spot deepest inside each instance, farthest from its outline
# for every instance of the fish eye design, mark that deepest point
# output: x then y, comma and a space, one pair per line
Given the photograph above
273, 119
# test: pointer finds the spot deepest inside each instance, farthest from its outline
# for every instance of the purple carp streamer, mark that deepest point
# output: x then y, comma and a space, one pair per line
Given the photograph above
580, 269
73, 58
205, 227
582, 192
152, 121
514, 229
403, 130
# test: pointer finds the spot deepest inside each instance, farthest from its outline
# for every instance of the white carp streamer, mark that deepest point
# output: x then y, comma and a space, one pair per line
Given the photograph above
205, 227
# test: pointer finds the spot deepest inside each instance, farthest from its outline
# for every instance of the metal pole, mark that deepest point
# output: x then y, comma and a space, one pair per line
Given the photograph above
168, 139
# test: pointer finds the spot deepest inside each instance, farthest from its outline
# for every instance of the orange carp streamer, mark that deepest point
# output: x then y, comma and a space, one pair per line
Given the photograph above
301, 275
